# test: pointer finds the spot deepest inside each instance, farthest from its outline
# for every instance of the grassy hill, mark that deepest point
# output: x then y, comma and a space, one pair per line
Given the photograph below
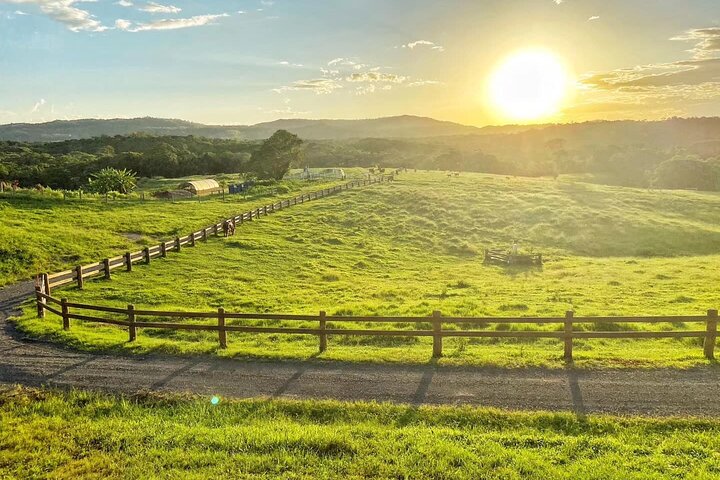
416, 246
45, 233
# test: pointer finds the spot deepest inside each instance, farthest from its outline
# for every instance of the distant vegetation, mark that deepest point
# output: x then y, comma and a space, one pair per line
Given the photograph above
71, 164
677, 153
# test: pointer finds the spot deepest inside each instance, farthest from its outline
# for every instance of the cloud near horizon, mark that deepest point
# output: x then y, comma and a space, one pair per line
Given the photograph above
424, 43
661, 87
316, 85
707, 41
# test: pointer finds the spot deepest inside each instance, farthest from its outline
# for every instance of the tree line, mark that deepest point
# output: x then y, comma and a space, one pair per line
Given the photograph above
71, 164
77, 164
636, 165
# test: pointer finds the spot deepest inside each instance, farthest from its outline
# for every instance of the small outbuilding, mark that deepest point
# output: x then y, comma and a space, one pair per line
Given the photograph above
202, 187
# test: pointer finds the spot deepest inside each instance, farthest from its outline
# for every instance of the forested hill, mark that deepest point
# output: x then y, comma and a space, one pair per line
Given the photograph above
666, 133
400, 127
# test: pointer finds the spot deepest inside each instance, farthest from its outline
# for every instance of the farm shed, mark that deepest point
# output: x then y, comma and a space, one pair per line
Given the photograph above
202, 187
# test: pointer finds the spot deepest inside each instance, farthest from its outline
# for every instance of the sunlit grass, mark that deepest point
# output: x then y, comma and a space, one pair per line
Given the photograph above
416, 246
45, 434
49, 234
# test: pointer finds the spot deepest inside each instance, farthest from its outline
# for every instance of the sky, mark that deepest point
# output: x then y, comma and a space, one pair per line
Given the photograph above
249, 61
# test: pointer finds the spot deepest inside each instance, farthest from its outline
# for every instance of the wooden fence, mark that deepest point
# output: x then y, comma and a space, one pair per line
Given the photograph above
104, 267
507, 258
130, 317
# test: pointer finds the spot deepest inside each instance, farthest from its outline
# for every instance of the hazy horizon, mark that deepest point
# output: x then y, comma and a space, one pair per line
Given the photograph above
242, 62
290, 119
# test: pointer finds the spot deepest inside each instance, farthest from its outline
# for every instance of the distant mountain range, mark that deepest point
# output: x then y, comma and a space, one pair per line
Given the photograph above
405, 126
701, 133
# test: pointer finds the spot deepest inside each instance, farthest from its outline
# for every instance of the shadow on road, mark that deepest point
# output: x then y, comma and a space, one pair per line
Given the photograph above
578, 405
301, 369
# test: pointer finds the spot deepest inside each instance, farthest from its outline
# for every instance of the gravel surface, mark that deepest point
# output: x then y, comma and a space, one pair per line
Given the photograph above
660, 392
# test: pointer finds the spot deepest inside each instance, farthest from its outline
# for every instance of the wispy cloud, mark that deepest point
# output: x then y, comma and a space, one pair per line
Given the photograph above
65, 12
153, 7
341, 61
124, 3
20, 12
38, 105
707, 41
684, 73
424, 43
352, 75
375, 77
593, 18
169, 23
317, 85
658, 89
424, 83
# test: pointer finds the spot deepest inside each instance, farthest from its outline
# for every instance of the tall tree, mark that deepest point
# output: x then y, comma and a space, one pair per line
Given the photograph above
275, 156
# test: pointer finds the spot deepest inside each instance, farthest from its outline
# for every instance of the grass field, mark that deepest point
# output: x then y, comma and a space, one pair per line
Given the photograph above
416, 246
48, 233
46, 434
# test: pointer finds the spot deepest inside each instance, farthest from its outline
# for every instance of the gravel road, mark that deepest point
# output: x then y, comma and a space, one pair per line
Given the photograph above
661, 392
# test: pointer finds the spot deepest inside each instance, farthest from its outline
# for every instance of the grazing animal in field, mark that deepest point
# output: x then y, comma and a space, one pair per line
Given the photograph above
228, 228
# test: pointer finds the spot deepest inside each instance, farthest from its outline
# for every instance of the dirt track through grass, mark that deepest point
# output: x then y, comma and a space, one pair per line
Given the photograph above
646, 392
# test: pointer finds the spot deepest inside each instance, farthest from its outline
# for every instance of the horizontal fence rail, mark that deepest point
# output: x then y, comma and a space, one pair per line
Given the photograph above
433, 325
103, 268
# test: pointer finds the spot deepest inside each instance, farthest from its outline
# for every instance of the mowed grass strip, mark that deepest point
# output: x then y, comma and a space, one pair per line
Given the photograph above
416, 246
47, 434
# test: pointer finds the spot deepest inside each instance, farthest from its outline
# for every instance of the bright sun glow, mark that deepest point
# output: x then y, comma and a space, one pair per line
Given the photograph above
529, 85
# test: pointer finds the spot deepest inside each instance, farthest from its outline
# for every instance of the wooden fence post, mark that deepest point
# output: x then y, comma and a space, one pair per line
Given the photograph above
709, 344
222, 333
568, 335
79, 273
146, 252
323, 336
132, 330
46, 284
163, 249
437, 334
106, 267
128, 262
192, 239
177, 243
215, 229
65, 318
40, 302
204, 235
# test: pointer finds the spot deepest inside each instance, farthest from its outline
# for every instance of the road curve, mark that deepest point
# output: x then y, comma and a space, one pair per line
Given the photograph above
661, 392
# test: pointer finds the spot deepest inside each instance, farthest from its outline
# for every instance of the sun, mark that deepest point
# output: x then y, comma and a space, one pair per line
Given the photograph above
529, 85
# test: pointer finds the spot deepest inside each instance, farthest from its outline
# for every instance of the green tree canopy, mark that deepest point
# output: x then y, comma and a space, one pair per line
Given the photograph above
112, 180
275, 156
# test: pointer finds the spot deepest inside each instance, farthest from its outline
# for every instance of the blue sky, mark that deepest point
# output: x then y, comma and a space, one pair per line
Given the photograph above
246, 61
